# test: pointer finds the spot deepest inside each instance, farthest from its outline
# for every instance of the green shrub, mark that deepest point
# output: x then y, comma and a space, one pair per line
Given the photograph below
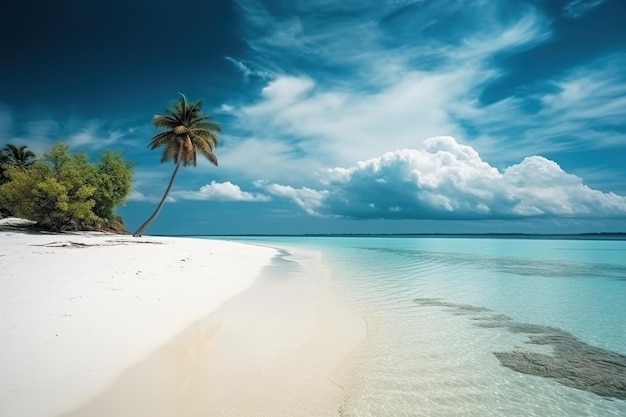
66, 192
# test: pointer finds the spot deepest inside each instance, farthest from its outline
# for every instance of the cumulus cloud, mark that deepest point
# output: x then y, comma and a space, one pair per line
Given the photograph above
448, 180
216, 191
141, 197
308, 199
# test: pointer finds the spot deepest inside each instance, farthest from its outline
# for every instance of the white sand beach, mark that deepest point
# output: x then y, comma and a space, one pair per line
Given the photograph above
100, 325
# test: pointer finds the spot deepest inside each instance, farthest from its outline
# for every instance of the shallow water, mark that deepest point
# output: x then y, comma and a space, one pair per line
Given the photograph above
484, 327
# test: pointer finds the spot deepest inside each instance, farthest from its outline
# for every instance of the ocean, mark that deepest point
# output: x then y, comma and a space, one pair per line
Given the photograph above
479, 326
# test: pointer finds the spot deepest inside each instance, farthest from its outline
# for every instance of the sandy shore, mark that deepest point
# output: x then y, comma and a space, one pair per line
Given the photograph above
77, 310
101, 325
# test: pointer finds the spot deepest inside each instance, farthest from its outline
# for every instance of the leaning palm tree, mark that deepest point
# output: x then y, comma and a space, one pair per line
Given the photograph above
18, 156
187, 132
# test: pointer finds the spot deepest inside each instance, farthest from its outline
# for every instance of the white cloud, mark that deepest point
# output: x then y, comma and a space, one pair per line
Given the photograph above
540, 187
528, 30
578, 8
579, 109
93, 135
448, 180
279, 93
41, 134
241, 67
140, 197
246, 70
342, 126
226, 108
386, 90
271, 159
597, 90
216, 191
390, 75
306, 198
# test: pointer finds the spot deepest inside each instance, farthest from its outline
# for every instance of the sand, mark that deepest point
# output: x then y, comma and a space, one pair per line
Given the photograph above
77, 310
99, 325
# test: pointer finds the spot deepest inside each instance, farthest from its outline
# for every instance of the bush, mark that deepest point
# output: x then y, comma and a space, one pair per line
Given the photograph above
65, 192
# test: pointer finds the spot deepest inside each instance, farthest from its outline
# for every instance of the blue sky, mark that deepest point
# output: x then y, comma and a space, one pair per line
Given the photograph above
386, 116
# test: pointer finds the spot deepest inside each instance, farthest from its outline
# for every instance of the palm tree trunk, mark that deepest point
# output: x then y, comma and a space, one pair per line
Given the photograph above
158, 209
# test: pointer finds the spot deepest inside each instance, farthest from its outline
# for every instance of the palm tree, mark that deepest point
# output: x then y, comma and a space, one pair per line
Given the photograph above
187, 132
3, 160
18, 156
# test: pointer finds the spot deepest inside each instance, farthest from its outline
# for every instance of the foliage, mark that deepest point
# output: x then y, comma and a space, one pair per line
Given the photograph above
12, 155
113, 184
66, 192
3, 161
18, 155
187, 132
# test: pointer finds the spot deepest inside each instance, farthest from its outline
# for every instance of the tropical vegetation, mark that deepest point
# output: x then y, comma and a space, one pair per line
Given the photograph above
186, 133
18, 156
63, 190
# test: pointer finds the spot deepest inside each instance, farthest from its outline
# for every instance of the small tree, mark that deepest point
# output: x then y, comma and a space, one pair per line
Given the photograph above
114, 177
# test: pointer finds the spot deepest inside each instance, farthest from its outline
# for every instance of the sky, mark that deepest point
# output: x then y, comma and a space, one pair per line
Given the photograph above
352, 116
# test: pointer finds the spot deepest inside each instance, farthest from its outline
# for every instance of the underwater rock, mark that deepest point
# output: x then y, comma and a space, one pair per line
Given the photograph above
573, 363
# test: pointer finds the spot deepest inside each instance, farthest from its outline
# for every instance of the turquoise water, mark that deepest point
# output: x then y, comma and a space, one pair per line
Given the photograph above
478, 326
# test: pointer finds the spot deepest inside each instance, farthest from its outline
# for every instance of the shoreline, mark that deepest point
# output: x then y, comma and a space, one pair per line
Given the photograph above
274, 338
308, 378
275, 349
77, 310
